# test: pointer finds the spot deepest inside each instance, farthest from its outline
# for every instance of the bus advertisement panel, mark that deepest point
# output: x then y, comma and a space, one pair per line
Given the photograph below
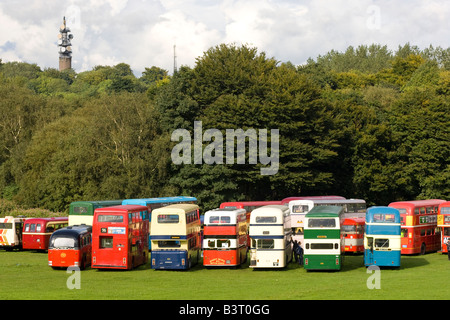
70, 246
119, 237
419, 232
382, 237
271, 236
324, 242
82, 212
175, 236
37, 231
11, 232
444, 224
225, 237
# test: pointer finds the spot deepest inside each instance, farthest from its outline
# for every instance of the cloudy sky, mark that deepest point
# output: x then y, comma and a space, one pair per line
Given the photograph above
142, 33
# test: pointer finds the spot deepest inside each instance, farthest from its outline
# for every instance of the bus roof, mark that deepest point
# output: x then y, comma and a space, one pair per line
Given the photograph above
249, 203
96, 202
121, 209
354, 220
179, 207
325, 211
145, 201
71, 230
48, 219
225, 210
445, 204
271, 208
381, 209
416, 203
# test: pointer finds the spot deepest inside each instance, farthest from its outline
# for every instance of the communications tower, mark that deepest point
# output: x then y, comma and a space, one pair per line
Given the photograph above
65, 49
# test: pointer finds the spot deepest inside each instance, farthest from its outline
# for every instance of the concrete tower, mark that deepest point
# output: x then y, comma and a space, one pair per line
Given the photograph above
65, 49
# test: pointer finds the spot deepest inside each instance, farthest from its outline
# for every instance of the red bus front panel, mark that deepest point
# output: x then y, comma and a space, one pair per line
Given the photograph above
120, 237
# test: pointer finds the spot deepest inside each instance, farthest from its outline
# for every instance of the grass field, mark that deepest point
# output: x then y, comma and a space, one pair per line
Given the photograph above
26, 275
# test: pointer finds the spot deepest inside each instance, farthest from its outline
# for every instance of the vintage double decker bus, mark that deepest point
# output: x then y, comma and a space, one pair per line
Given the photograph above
175, 236
248, 206
70, 246
155, 203
444, 224
11, 232
419, 225
382, 237
353, 232
225, 237
324, 242
353, 209
37, 231
82, 212
271, 235
119, 237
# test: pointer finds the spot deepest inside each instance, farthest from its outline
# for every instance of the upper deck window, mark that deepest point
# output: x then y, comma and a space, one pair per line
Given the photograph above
168, 218
322, 223
109, 218
264, 219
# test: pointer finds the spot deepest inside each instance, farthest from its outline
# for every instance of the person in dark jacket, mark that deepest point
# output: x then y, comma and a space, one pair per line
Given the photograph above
295, 250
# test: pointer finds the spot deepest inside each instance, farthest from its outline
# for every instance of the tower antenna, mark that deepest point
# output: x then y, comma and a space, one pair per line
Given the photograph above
65, 47
174, 59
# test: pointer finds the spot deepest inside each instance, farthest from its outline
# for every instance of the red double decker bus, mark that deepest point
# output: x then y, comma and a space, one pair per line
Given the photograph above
248, 206
120, 237
444, 224
70, 246
353, 230
37, 231
225, 237
419, 232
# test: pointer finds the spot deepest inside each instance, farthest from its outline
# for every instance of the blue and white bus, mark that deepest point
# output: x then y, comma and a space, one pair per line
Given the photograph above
175, 236
382, 241
155, 203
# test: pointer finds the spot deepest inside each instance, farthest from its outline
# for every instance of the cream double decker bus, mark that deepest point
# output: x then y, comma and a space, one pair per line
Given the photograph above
175, 236
270, 234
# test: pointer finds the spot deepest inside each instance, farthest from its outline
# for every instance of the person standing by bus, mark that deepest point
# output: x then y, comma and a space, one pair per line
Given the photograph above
447, 243
295, 250
300, 254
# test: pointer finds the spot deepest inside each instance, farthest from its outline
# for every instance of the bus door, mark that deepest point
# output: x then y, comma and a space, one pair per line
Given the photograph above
368, 252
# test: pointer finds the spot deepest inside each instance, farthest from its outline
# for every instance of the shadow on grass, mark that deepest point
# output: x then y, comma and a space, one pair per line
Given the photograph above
407, 262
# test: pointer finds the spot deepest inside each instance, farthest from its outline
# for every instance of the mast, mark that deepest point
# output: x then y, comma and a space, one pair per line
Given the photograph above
65, 49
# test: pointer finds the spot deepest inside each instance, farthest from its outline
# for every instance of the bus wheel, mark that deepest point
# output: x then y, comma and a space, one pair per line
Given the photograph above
423, 249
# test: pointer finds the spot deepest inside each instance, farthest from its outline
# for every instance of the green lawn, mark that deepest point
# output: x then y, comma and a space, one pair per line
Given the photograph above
25, 275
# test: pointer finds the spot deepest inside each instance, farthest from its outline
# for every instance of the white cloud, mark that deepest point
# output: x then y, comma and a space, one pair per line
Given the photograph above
142, 32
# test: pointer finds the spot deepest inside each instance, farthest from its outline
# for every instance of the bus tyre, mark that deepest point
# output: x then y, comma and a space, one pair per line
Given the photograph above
423, 249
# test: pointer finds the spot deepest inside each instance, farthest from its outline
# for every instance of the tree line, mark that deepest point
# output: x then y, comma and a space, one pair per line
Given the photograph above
364, 123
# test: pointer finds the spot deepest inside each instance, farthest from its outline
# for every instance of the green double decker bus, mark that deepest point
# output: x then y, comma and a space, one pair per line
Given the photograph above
323, 240
82, 212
